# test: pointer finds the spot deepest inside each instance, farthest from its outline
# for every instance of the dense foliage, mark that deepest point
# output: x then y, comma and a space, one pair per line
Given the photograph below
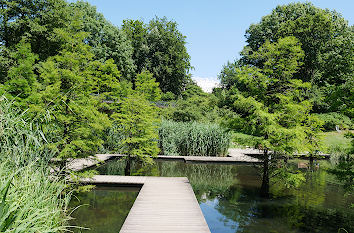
298, 60
37, 21
107, 41
159, 47
76, 84
334, 119
137, 125
344, 169
86, 73
327, 41
271, 104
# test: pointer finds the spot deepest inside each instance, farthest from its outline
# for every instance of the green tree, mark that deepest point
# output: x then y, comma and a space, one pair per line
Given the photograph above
67, 81
107, 41
21, 79
6, 62
195, 105
327, 41
160, 48
228, 74
37, 20
167, 49
197, 108
147, 86
192, 89
137, 122
271, 104
136, 32
313, 138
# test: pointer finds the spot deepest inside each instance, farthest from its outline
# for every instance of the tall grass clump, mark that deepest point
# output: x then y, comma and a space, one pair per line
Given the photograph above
21, 139
31, 199
30, 202
193, 139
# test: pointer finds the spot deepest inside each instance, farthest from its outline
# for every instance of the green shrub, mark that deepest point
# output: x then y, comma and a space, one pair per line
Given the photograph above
332, 119
193, 139
244, 140
113, 140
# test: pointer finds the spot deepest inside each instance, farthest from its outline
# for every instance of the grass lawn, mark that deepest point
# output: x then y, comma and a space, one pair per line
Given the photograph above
336, 139
330, 140
240, 140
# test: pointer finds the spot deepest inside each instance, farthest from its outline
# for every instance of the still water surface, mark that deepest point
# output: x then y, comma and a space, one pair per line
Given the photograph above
102, 210
229, 198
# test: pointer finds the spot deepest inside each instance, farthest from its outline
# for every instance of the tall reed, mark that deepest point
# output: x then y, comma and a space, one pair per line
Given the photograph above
21, 139
193, 139
33, 203
31, 200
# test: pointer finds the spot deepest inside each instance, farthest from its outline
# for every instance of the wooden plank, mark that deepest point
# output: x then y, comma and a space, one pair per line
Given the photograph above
220, 159
165, 204
80, 164
207, 159
105, 179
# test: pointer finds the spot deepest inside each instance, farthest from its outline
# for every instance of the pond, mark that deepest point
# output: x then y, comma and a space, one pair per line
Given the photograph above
229, 197
102, 210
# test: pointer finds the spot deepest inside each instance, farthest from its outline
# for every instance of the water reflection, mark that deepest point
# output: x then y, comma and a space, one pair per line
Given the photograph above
103, 209
229, 197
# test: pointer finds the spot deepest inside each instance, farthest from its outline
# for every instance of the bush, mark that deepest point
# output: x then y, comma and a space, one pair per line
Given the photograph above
244, 140
193, 139
332, 119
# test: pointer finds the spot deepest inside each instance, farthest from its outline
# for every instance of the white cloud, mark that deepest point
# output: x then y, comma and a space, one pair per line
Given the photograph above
207, 84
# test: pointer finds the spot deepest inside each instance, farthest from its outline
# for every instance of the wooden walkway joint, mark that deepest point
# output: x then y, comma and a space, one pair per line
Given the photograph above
164, 204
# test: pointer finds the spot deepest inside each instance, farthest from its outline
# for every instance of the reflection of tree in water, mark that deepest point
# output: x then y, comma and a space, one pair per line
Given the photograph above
309, 193
102, 209
207, 180
274, 215
316, 206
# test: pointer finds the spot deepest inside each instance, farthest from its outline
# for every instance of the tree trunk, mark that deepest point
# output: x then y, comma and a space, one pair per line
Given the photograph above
127, 166
311, 163
265, 177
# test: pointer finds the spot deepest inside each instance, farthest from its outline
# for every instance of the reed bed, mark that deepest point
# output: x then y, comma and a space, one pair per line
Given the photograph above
193, 139
31, 200
21, 139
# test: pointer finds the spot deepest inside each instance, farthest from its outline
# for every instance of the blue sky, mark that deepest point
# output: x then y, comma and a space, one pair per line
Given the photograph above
214, 29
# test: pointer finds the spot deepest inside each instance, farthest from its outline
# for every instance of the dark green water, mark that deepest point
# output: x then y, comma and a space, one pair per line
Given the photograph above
229, 197
102, 210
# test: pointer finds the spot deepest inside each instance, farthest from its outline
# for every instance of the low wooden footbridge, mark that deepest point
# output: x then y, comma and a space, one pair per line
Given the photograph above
164, 204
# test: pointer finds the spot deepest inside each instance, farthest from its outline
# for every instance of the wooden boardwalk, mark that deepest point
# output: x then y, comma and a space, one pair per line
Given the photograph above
80, 164
164, 204
200, 159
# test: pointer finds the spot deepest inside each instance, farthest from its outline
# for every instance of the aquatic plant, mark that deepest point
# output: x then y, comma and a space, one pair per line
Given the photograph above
193, 139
